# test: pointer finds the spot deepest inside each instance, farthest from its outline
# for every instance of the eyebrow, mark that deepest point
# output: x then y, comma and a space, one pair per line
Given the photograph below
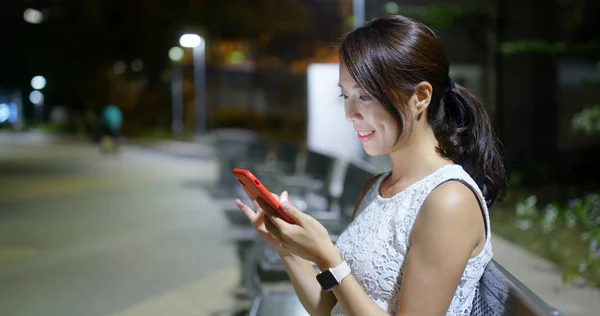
355, 86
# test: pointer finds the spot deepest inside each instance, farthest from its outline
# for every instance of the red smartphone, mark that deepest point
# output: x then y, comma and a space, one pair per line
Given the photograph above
255, 189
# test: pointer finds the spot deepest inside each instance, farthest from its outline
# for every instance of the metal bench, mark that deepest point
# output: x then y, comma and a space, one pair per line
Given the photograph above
258, 157
277, 303
230, 144
287, 154
499, 294
263, 266
254, 153
312, 180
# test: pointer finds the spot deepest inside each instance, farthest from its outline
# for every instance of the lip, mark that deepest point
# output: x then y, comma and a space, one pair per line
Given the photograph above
365, 138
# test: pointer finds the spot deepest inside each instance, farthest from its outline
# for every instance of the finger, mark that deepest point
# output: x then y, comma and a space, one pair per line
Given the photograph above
257, 206
291, 210
260, 219
272, 229
266, 208
281, 224
275, 196
274, 217
247, 210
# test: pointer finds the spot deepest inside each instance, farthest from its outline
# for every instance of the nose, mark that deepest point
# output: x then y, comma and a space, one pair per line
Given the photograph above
352, 111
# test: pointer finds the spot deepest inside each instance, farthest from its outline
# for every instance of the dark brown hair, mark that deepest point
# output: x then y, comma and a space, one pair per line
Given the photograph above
388, 57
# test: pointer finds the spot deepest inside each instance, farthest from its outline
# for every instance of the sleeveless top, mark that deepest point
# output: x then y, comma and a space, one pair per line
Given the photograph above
376, 243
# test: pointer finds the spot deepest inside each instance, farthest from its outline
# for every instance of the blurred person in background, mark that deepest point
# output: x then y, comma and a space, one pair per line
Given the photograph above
110, 128
420, 237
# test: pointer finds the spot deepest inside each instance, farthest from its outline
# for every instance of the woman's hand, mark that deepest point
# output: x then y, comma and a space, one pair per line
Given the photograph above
308, 239
258, 219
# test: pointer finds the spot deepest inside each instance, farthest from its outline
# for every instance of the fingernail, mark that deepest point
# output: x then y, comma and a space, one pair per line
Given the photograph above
285, 205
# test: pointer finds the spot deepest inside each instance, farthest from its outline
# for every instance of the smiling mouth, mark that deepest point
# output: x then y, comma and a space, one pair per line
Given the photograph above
366, 133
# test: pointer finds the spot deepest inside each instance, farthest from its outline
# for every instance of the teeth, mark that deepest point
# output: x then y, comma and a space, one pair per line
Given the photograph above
365, 133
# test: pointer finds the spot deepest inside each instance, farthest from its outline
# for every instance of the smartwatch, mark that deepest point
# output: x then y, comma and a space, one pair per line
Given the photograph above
332, 277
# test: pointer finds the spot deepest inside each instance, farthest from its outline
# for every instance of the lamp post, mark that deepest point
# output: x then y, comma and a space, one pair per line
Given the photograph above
196, 42
176, 55
358, 12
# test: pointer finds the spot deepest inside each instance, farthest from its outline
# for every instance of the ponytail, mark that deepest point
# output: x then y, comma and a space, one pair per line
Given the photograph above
465, 136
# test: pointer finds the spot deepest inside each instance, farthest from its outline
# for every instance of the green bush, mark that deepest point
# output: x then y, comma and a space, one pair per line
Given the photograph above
588, 120
571, 233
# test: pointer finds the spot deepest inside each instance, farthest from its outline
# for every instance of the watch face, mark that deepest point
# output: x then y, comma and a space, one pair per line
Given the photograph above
327, 280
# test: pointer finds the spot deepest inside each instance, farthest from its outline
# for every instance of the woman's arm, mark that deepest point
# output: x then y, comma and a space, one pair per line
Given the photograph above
446, 234
303, 277
301, 272
349, 293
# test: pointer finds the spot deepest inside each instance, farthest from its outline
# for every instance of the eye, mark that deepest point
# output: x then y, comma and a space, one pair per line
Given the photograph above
343, 96
365, 97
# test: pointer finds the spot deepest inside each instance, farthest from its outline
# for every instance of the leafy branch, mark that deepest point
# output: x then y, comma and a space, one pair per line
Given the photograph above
587, 121
538, 46
441, 16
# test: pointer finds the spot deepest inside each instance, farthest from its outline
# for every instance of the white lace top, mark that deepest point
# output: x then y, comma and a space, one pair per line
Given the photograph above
376, 243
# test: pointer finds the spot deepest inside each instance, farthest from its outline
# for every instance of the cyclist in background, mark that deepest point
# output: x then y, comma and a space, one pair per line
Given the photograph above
110, 128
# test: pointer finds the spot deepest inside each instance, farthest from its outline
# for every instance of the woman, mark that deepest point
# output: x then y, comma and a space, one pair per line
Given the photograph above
421, 238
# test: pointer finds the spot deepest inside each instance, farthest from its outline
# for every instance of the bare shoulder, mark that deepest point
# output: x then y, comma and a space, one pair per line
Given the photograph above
452, 198
453, 209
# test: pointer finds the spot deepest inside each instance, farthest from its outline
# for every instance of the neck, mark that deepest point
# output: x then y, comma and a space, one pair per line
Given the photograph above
416, 158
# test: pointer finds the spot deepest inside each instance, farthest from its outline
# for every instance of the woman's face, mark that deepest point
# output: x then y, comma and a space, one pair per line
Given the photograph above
375, 127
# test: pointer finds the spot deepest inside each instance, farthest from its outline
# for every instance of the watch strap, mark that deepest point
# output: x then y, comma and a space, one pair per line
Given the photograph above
332, 277
341, 271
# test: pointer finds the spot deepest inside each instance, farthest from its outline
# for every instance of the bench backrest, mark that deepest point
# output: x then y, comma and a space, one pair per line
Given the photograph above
501, 294
287, 154
230, 145
357, 174
318, 166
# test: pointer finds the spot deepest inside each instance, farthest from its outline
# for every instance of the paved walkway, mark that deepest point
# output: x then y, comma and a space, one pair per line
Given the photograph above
544, 279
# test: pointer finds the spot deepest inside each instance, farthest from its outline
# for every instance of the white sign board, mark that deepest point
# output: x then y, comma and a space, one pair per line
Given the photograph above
328, 131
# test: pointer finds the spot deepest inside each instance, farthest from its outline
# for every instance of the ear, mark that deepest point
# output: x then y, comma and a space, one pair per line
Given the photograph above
421, 98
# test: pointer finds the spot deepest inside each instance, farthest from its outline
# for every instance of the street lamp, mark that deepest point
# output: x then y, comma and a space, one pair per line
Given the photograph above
38, 82
33, 16
36, 97
196, 42
176, 55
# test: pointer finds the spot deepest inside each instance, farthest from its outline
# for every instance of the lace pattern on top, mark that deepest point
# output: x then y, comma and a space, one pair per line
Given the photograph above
376, 243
